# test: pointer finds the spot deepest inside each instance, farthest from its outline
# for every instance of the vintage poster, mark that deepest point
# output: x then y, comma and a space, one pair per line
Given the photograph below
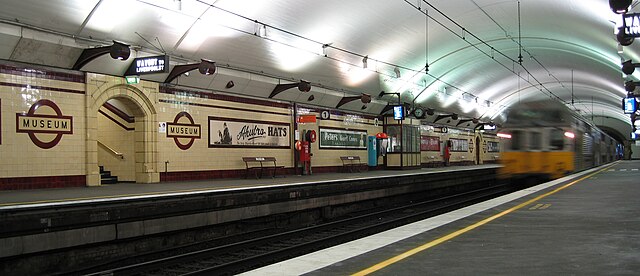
429, 143
232, 132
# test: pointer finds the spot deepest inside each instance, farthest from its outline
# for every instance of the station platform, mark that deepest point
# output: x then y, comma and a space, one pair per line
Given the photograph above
122, 191
583, 224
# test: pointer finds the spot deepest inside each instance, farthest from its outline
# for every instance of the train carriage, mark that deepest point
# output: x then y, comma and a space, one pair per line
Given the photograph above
546, 140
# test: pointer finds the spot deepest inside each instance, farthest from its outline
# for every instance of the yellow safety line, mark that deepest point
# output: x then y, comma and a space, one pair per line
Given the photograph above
452, 235
126, 195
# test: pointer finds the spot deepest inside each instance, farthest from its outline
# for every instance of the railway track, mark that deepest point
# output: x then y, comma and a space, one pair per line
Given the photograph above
263, 250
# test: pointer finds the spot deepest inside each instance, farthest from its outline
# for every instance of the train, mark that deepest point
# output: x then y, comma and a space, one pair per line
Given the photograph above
545, 140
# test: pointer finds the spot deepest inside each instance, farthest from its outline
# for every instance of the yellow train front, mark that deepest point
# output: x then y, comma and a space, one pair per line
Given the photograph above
545, 140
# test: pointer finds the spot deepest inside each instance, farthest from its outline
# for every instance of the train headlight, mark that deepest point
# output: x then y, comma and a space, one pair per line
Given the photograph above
569, 134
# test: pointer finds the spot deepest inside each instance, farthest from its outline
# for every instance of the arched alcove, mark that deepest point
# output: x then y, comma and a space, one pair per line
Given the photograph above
145, 136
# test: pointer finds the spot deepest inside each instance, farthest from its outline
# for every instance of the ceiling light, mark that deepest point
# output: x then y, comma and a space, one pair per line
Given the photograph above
620, 6
623, 38
207, 67
119, 51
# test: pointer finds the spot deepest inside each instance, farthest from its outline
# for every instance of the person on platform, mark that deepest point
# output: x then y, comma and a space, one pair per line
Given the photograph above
447, 153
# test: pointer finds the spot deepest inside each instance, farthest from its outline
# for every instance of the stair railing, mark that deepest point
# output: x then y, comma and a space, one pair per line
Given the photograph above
111, 150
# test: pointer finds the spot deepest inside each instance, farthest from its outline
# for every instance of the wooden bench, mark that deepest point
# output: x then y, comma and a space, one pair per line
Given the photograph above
251, 164
352, 163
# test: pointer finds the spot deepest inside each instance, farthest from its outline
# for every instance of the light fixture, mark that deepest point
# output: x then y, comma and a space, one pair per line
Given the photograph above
620, 6
629, 67
118, 50
622, 37
364, 98
397, 71
630, 86
431, 111
303, 86
364, 62
205, 67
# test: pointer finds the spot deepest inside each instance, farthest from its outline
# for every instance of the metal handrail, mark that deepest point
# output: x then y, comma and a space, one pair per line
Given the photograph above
114, 152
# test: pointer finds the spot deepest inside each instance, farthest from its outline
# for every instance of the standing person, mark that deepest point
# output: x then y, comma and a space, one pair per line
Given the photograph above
447, 153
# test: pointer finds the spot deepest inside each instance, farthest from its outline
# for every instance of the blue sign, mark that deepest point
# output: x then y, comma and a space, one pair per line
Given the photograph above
398, 112
629, 105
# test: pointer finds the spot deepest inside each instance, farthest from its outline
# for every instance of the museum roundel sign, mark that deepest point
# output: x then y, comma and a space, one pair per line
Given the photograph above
183, 128
45, 124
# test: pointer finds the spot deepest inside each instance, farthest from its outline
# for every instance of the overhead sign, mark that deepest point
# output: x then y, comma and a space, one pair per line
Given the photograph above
149, 65
305, 119
398, 112
629, 105
632, 24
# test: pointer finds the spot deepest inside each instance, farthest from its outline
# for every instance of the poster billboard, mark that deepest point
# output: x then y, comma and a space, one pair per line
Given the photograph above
332, 138
233, 132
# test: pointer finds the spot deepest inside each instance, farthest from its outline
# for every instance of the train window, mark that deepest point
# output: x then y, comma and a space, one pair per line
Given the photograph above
517, 140
557, 139
536, 141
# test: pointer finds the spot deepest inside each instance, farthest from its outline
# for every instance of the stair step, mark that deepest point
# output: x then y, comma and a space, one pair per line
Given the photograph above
109, 180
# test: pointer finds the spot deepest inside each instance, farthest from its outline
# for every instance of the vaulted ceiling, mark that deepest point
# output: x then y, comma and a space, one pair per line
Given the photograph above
472, 48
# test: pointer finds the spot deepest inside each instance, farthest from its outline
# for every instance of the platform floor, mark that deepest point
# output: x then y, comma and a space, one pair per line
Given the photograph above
122, 191
585, 224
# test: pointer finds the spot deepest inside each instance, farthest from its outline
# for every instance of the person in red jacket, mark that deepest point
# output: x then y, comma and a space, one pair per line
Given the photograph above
447, 153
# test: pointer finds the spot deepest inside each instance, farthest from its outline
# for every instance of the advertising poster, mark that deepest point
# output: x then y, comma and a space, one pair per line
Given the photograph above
429, 143
331, 138
232, 132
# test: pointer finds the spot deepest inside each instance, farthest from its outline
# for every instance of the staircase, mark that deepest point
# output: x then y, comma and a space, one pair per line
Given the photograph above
106, 177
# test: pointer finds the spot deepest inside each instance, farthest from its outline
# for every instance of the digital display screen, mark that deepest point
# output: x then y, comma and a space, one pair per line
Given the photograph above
629, 105
149, 65
398, 112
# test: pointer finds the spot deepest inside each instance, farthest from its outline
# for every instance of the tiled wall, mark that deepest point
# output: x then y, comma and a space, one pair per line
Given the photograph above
149, 154
22, 162
199, 157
